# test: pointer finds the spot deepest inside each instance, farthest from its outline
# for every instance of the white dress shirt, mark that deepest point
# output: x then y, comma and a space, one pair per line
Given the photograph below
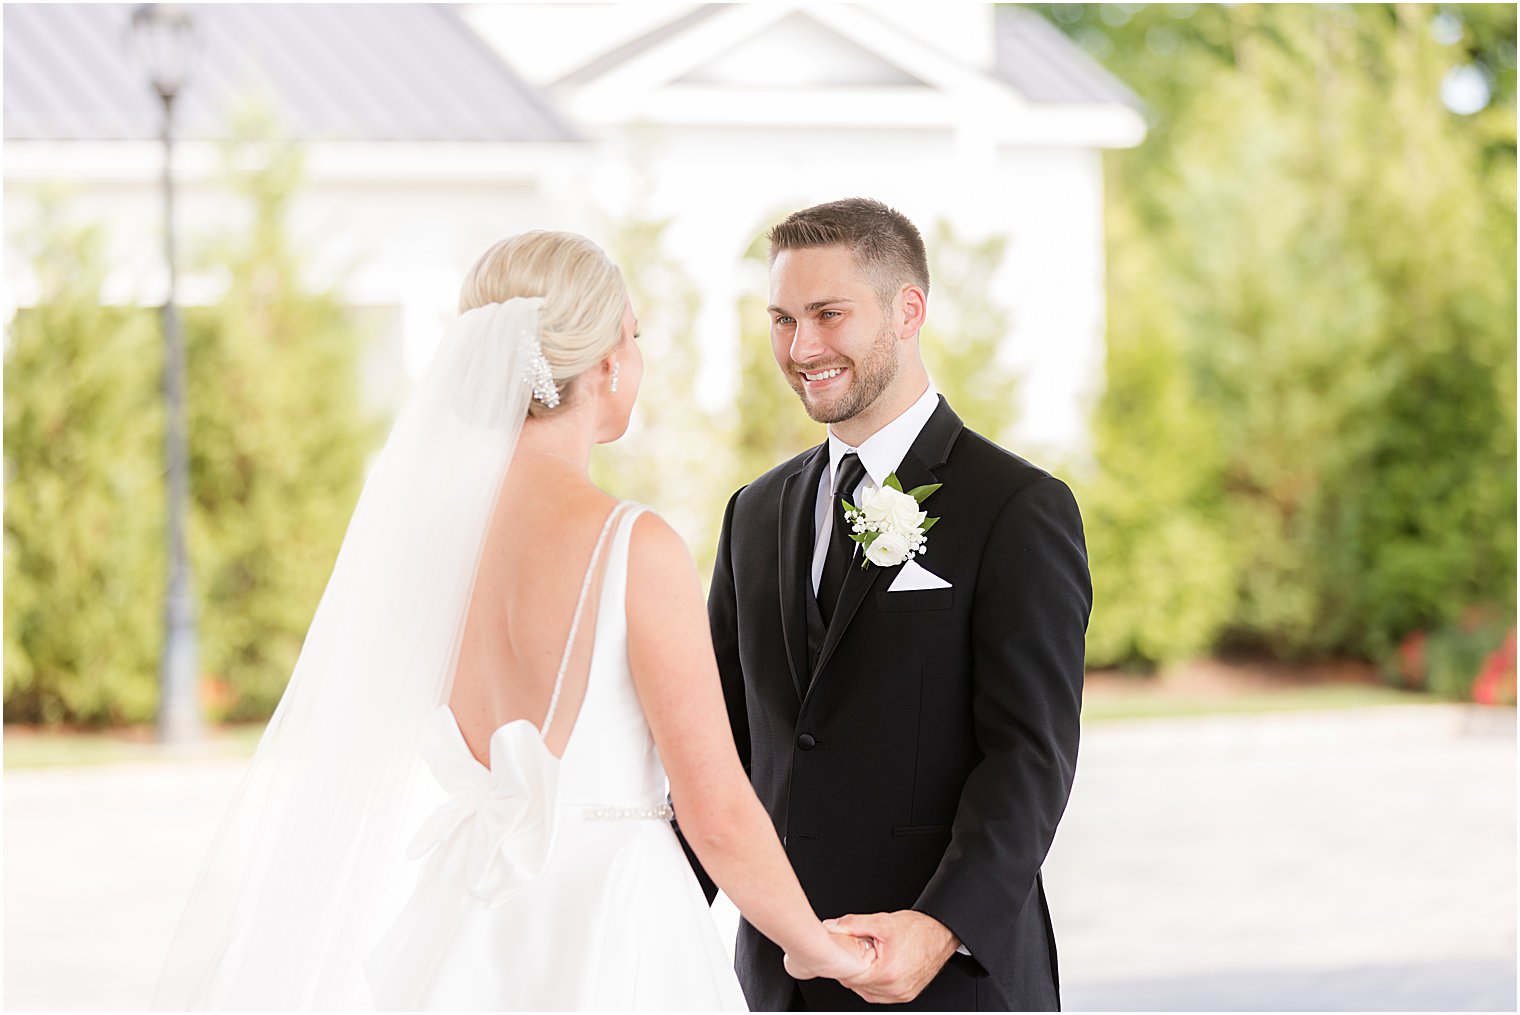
881, 454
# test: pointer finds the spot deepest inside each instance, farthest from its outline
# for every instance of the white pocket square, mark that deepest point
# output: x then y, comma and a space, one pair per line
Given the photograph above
913, 577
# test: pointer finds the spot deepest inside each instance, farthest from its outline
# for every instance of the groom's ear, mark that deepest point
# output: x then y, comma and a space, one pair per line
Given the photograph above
911, 309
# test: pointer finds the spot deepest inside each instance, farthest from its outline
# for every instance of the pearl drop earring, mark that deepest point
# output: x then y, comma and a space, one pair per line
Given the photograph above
616, 366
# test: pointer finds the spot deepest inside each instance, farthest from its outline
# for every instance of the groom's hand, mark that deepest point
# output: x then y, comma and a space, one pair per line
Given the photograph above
911, 949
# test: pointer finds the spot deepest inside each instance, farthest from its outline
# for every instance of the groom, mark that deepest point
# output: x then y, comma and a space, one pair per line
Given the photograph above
911, 726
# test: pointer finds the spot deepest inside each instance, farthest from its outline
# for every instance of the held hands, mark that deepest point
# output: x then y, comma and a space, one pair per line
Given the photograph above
886, 958
840, 957
911, 949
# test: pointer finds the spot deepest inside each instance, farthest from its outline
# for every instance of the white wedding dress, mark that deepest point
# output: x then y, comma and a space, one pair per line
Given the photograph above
556, 883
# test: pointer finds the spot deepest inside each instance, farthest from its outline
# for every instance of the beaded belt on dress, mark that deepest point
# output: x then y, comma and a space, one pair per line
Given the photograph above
660, 812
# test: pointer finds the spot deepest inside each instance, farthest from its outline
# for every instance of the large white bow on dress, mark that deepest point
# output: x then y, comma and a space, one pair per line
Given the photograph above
498, 824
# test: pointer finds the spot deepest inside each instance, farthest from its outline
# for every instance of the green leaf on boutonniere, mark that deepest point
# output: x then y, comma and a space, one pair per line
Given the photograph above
893, 482
918, 493
928, 524
847, 505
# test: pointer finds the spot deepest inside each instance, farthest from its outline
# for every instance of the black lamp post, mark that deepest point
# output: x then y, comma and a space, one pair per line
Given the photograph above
165, 39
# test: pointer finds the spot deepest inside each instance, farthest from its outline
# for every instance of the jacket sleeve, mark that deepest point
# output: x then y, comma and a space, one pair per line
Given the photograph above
722, 613
1030, 609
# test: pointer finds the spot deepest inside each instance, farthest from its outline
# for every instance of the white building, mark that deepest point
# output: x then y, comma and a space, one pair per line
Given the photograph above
434, 130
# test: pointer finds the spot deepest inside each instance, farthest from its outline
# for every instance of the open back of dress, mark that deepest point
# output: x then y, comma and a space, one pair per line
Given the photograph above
526, 649
556, 882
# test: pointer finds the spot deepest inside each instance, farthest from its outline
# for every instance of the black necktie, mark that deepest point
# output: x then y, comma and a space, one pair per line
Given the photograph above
841, 547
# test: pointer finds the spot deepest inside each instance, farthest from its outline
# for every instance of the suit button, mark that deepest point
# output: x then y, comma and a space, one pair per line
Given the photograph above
806, 741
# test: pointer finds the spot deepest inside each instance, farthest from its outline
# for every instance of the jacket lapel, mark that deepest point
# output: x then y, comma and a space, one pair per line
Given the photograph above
931, 446
799, 501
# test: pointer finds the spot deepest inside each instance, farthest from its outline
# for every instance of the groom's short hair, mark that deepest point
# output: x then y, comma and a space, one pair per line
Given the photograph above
886, 246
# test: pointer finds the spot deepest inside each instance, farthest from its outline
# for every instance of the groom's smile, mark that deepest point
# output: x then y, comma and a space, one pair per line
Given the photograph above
818, 380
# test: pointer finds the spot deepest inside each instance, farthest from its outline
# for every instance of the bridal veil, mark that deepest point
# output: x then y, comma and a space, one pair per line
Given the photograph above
308, 867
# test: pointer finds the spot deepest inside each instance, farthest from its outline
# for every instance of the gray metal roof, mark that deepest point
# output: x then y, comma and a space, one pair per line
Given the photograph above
1043, 65
352, 72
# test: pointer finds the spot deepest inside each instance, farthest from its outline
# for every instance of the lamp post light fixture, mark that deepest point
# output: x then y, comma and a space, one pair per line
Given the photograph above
165, 39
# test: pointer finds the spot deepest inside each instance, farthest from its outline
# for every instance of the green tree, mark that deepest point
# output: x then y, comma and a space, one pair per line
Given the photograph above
1323, 256
1419, 522
277, 448
1163, 561
84, 537
278, 441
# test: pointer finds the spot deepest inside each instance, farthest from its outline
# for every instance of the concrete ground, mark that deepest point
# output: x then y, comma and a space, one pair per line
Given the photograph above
1348, 860
1312, 861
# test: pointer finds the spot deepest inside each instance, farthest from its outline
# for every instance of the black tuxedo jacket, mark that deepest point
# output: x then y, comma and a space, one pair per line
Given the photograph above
925, 761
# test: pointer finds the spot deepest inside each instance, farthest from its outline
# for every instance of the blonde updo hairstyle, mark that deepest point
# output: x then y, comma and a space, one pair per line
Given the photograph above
581, 319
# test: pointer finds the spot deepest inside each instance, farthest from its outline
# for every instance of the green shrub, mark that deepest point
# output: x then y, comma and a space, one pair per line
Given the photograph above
1310, 412
278, 446
277, 451
84, 528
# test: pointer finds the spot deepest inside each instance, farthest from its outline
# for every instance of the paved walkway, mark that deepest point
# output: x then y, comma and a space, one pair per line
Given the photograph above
1337, 861
1333, 860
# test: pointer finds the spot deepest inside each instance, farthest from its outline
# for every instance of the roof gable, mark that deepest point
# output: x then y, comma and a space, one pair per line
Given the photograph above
968, 69
800, 45
361, 72
797, 51
872, 52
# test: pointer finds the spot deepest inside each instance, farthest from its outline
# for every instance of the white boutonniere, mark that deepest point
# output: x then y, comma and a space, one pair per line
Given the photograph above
889, 525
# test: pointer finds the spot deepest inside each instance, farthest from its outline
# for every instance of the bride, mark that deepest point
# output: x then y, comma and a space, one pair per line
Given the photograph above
460, 802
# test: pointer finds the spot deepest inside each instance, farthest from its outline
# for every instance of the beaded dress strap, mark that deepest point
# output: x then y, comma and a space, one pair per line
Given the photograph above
575, 620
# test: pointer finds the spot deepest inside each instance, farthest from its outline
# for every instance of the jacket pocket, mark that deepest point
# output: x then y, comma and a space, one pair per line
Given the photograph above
915, 599
921, 830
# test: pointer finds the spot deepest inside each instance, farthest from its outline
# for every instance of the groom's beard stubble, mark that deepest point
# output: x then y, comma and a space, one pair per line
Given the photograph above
871, 376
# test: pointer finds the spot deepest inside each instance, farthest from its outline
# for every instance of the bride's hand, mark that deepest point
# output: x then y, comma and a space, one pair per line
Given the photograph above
842, 958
